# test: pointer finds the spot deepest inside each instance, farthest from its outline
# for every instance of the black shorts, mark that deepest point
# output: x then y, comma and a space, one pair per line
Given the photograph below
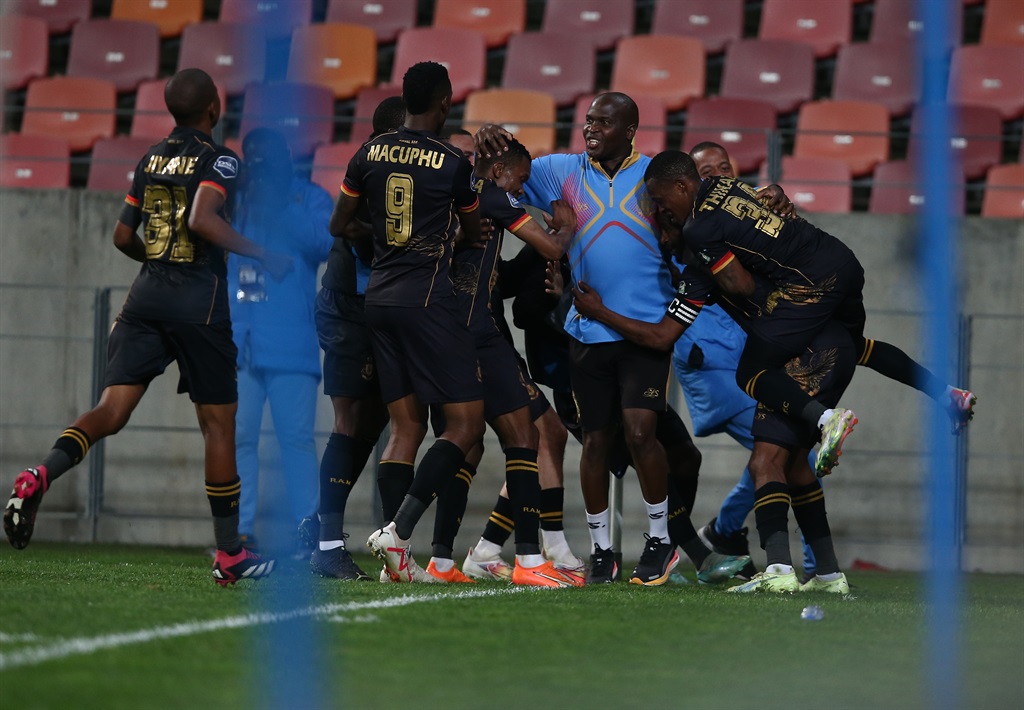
139, 350
349, 366
610, 377
427, 351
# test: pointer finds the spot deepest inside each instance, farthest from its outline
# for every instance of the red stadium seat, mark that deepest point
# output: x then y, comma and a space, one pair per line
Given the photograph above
976, 142
496, 20
277, 17
559, 63
530, 115
1003, 22
122, 51
59, 15
304, 113
233, 54
464, 52
779, 72
341, 57
896, 189
34, 161
151, 120
824, 25
24, 50
900, 21
816, 184
81, 111
1004, 192
604, 21
854, 131
386, 17
671, 68
366, 104
741, 126
650, 135
884, 73
716, 23
989, 75
171, 16
330, 161
113, 162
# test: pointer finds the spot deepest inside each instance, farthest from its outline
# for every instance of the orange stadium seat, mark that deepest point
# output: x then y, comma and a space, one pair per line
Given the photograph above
366, 104
716, 23
1004, 192
604, 21
650, 136
976, 141
330, 161
122, 51
671, 68
530, 115
559, 63
79, 110
113, 162
464, 52
896, 189
989, 75
231, 53
741, 126
900, 21
278, 17
151, 120
816, 184
304, 113
34, 161
776, 71
24, 50
854, 131
386, 17
824, 25
1003, 22
885, 73
170, 16
59, 15
496, 20
336, 55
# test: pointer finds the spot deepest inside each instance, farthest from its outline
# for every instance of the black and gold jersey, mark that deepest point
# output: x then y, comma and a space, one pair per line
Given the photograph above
183, 277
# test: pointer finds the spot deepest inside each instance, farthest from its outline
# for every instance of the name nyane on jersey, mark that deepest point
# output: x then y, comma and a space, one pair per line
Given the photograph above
184, 276
412, 181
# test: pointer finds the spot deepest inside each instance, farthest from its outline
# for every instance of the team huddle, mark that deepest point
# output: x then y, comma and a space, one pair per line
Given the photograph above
656, 263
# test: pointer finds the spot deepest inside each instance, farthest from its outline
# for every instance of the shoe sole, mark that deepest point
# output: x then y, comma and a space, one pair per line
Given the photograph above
827, 461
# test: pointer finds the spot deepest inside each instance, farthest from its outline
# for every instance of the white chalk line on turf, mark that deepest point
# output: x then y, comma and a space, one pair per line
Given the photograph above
85, 646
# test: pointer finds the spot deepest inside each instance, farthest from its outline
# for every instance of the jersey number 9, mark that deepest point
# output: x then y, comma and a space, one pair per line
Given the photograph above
399, 208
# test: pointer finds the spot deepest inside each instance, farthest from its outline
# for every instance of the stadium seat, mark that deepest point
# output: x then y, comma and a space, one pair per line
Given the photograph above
853, 131
989, 75
559, 63
824, 25
366, 104
231, 53
896, 189
385, 17
122, 51
885, 73
650, 136
336, 55
304, 113
671, 68
900, 21
604, 21
716, 23
278, 17
464, 52
113, 162
1003, 22
330, 161
1004, 192
976, 142
24, 51
150, 119
816, 184
170, 16
530, 115
740, 125
779, 72
496, 20
79, 110
59, 15
34, 161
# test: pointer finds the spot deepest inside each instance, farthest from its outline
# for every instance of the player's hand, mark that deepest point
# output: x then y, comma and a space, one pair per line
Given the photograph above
486, 234
554, 284
491, 140
277, 265
562, 216
587, 301
772, 197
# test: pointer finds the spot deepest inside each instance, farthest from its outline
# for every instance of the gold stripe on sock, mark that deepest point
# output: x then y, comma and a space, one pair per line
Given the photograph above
808, 498
773, 498
78, 436
869, 346
749, 389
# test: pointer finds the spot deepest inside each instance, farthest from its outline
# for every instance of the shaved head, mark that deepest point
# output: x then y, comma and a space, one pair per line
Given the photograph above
188, 94
623, 106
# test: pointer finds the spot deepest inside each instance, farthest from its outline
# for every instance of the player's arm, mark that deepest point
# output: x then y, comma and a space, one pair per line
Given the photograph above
345, 225
553, 242
731, 277
773, 197
127, 240
657, 336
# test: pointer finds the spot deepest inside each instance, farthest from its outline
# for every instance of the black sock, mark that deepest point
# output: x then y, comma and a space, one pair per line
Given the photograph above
361, 450
337, 476
393, 481
683, 456
890, 361
771, 511
809, 511
451, 506
68, 451
523, 481
223, 499
500, 523
438, 467
681, 531
552, 508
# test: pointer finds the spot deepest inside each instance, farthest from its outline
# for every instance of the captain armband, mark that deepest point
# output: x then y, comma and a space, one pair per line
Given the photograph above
684, 310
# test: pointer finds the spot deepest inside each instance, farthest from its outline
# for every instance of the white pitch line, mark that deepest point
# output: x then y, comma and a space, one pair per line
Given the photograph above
84, 646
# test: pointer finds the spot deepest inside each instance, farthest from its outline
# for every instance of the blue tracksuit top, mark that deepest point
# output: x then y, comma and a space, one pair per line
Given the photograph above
615, 249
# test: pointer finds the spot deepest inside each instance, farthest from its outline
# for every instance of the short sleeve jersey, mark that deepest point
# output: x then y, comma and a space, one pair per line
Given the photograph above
697, 289
729, 223
412, 181
184, 276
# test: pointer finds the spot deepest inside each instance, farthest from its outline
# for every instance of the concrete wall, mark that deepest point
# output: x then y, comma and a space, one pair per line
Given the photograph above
55, 250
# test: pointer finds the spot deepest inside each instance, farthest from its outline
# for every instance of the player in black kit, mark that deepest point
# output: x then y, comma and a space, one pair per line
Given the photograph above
176, 310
